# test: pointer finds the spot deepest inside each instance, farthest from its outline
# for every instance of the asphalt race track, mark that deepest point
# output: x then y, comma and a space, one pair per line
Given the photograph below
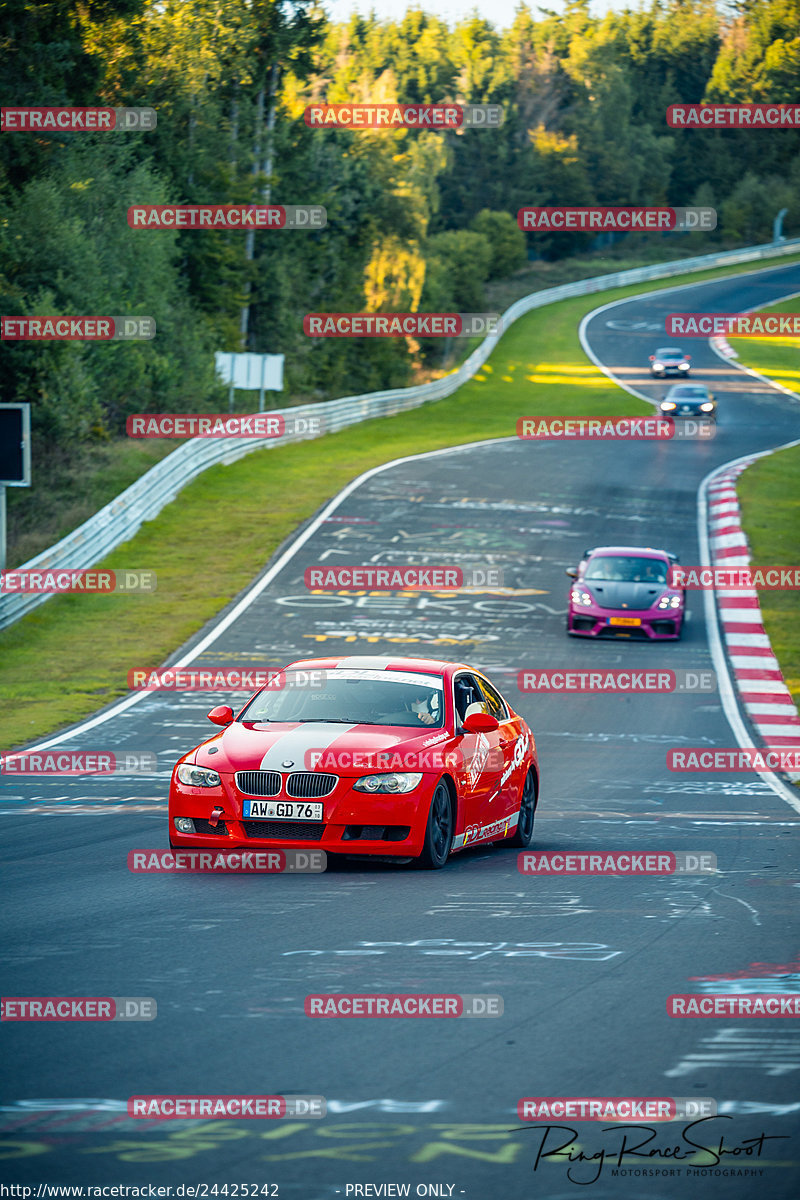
584, 965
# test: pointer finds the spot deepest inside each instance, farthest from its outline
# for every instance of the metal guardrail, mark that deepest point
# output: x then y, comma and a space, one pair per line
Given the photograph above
118, 521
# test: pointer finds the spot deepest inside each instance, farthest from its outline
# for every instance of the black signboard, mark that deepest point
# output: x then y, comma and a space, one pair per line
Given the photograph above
15, 445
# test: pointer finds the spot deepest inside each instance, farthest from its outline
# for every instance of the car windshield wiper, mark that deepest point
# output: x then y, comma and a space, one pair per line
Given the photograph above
328, 720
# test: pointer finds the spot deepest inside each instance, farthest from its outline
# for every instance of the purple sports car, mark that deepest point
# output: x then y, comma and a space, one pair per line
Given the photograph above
624, 591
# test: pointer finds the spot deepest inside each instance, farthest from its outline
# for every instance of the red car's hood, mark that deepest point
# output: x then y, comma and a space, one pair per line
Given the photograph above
270, 747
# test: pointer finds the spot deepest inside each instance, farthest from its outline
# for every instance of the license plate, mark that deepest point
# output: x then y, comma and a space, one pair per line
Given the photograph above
625, 621
282, 810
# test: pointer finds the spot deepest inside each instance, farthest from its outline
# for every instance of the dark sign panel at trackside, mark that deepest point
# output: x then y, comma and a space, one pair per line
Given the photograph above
15, 445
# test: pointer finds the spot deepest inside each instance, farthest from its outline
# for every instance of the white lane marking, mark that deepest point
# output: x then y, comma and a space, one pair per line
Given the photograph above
752, 641
749, 662
756, 687
724, 541
767, 709
742, 616
727, 691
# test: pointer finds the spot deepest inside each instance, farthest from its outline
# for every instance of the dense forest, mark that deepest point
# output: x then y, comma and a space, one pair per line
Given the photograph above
416, 219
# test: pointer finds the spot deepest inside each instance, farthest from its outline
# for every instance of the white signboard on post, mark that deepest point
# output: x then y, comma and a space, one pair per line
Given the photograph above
250, 372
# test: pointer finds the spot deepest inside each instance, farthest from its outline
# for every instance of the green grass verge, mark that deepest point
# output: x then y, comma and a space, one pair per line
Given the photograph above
769, 495
71, 656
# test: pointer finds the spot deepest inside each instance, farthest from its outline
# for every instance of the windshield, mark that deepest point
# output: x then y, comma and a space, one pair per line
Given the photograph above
627, 569
669, 352
352, 697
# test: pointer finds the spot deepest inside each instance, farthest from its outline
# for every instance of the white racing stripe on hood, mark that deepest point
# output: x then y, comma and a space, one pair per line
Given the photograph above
314, 735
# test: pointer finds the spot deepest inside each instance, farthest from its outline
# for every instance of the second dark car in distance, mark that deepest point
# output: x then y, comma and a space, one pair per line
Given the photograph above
689, 400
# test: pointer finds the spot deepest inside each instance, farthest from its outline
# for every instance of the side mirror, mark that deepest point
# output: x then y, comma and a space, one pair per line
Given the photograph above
572, 572
221, 715
652, 358
688, 357
478, 722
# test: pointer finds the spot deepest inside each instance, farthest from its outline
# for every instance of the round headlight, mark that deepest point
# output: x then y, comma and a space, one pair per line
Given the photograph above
394, 782
193, 776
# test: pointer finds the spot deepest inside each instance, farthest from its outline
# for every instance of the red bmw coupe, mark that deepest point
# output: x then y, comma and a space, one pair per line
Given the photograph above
401, 758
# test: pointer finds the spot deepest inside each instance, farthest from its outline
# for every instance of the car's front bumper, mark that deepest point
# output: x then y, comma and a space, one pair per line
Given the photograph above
683, 412
353, 822
648, 624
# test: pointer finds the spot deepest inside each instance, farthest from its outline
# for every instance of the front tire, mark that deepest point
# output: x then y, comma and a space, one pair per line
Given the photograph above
439, 831
523, 834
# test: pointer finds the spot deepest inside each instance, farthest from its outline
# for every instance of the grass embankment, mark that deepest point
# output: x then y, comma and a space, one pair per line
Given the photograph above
71, 656
769, 495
